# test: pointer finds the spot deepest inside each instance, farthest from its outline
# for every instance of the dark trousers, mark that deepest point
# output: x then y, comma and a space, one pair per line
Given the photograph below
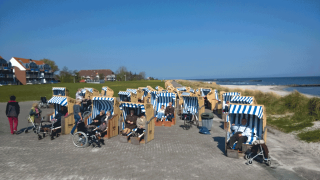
240, 139
170, 117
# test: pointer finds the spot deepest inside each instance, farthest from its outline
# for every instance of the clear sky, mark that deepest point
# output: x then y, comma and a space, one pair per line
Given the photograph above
167, 39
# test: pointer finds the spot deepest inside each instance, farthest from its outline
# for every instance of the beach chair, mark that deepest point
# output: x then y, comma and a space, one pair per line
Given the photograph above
125, 96
203, 91
227, 97
159, 88
213, 99
256, 121
139, 108
164, 99
192, 105
167, 84
243, 100
107, 104
106, 91
146, 98
67, 122
62, 91
87, 91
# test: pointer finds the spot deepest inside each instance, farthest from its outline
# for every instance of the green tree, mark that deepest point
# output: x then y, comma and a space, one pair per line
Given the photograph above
101, 76
51, 63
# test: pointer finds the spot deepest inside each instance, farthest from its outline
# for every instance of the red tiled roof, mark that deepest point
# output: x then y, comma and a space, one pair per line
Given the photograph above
91, 73
38, 62
1, 57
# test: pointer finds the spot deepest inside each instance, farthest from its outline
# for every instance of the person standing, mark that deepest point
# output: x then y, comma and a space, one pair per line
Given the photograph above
12, 112
77, 114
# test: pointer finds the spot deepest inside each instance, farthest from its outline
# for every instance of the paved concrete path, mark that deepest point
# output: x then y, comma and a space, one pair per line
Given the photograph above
173, 154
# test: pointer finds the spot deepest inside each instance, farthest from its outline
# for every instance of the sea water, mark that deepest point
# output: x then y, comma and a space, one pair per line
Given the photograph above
285, 81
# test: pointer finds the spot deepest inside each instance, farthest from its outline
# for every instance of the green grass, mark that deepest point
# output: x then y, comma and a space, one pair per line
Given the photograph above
34, 92
305, 110
310, 136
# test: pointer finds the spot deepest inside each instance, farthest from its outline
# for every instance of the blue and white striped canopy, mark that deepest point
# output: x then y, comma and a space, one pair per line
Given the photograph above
126, 93
191, 90
157, 87
105, 89
246, 109
242, 100
145, 92
58, 100
182, 89
204, 91
216, 94
164, 99
58, 88
100, 103
227, 97
59, 91
84, 90
190, 104
134, 91
185, 94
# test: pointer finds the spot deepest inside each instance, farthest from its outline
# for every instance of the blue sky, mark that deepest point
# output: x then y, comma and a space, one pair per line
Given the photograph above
167, 39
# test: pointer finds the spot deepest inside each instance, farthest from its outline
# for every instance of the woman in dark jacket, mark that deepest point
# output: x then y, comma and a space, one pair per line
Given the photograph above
12, 112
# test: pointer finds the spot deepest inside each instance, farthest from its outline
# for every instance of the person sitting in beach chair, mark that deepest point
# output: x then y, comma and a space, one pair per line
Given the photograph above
170, 112
161, 114
130, 123
57, 121
141, 124
99, 119
86, 104
241, 134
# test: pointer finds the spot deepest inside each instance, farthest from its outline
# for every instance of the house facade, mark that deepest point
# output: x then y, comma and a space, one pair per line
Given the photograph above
6, 72
92, 75
28, 71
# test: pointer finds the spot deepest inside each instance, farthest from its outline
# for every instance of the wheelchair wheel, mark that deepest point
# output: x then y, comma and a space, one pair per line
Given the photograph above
246, 156
80, 139
186, 124
249, 161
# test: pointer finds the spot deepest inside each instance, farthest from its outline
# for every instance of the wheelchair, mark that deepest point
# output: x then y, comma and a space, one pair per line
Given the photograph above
85, 137
42, 127
43, 103
189, 120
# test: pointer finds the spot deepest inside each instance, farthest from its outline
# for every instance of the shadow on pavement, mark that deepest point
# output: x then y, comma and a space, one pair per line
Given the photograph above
221, 141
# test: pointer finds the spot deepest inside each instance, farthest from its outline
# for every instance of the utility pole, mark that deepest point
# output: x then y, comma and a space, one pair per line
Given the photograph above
125, 77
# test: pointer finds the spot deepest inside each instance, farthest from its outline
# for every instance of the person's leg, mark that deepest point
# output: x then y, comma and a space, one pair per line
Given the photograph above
232, 140
11, 124
74, 127
15, 121
241, 140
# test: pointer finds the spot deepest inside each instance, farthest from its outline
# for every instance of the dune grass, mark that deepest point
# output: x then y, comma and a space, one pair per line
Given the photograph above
305, 110
34, 92
310, 136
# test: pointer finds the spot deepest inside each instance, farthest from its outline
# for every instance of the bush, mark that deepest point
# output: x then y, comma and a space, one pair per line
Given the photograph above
310, 136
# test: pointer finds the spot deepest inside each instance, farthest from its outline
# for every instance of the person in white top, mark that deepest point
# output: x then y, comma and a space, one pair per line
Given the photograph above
78, 94
160, 115
241, 134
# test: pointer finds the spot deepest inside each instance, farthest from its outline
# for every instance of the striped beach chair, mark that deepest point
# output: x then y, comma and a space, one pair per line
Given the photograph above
87, 91
139, 108
214, 100
227, 97
62, 91
68, 121
204, 91
125, 96
106, 91
164, 99
256, 121
243, 100
107, 104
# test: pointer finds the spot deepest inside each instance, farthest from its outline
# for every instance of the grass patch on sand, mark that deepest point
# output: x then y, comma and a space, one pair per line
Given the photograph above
305, 110
310, 136
34, 92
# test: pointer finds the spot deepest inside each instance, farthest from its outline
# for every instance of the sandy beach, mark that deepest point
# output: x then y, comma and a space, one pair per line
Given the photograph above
276, 89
